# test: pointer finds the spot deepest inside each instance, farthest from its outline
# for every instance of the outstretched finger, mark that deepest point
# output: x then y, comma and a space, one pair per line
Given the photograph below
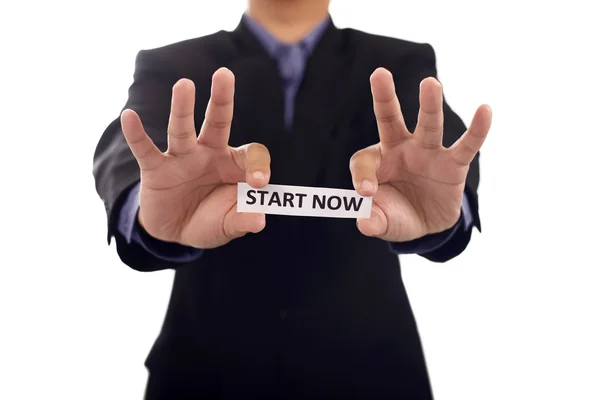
219, 113
181, 130
388, 113
465, 149
430, 125
144, 150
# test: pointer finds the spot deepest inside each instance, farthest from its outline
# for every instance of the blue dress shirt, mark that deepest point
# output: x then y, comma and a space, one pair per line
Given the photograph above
291, 59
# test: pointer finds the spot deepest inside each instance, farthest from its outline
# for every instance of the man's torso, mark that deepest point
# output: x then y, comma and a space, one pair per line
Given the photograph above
308, 307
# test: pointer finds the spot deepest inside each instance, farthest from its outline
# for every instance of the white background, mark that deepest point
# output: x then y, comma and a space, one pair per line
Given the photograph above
515, 317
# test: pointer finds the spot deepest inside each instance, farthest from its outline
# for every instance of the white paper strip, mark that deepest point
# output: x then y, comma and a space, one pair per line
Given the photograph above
303, 200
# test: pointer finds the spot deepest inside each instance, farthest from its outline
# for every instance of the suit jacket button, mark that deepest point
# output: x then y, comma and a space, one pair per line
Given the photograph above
283, 314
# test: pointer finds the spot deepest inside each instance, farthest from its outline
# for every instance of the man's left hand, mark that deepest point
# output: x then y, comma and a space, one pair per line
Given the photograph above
417, 184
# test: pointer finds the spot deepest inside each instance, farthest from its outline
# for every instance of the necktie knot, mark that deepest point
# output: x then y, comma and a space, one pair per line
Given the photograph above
290, 59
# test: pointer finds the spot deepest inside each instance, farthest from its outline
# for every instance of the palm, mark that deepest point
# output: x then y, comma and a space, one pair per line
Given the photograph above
190, 191
188, 194
417, 183
425, 183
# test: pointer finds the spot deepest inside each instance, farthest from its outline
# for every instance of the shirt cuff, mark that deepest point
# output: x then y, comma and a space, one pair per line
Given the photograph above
432, 242
132, 231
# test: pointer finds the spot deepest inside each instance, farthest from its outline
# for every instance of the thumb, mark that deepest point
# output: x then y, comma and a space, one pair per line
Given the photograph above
255, 160
236, 224
374, 226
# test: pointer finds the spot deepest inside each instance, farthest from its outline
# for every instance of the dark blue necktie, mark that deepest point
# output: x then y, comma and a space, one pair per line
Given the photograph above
291, 60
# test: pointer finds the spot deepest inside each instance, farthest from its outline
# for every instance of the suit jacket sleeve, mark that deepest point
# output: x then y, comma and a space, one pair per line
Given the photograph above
115, 169
414, 67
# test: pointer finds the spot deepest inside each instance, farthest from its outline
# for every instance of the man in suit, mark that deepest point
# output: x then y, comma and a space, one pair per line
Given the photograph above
278, 306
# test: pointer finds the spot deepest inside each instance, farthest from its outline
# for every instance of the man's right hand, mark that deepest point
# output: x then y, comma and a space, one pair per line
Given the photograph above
188, 195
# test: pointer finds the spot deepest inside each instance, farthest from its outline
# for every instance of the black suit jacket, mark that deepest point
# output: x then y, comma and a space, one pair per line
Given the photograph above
309, 307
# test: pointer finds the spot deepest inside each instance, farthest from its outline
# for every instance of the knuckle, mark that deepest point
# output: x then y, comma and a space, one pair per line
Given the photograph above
388, 118
257, 146
357, 157
431, 117
429, 128
136, 142
366, 159
178, 115
232, 233
218, 124
259, 151
354, 163
182, 135
220, 101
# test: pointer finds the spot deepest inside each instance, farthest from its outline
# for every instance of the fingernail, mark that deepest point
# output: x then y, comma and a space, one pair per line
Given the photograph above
367, 186
258, 175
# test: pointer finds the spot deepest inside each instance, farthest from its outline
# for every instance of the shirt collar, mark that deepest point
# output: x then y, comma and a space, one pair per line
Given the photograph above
273, 45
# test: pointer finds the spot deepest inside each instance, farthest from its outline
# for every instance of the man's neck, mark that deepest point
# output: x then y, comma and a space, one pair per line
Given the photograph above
288, 20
